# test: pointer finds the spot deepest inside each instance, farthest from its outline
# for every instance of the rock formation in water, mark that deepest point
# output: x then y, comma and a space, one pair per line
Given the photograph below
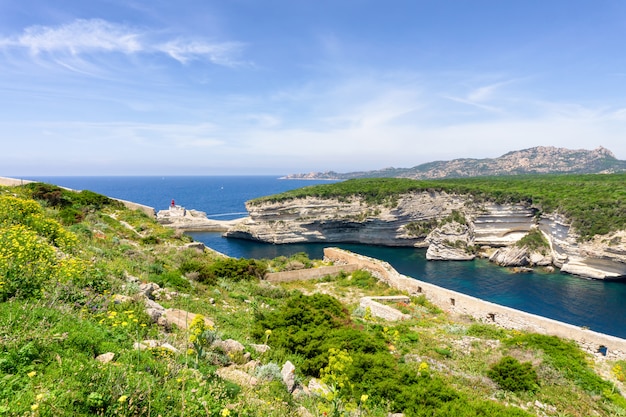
452, 227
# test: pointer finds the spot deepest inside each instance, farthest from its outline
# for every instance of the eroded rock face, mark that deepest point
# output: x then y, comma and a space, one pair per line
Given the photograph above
519, 256
415, 220
450, 242
331, 220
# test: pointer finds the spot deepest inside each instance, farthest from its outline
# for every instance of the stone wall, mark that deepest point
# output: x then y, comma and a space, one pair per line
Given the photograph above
311, 273
12, 182
483, 311
378, 309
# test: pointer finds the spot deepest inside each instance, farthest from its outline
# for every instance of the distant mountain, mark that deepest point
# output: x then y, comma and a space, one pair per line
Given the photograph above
537, 160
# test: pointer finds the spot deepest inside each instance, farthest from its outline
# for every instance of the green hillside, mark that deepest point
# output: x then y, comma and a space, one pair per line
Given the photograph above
74, 268
595, 203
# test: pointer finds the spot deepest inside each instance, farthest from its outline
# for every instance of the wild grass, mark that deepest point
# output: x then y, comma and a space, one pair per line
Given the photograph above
54, 326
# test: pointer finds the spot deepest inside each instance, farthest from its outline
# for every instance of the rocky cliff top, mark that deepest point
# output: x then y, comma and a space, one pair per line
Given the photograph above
537, 160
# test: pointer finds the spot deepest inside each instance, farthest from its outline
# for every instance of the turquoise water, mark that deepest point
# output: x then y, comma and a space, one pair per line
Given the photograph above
599, 305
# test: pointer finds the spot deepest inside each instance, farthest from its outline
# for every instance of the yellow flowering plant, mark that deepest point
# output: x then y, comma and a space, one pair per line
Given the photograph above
201, 336
26, 262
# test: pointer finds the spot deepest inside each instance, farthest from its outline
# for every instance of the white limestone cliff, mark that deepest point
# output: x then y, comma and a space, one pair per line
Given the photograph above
489, 227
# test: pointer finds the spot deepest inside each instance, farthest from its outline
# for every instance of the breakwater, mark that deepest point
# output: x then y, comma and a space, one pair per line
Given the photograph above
484, 311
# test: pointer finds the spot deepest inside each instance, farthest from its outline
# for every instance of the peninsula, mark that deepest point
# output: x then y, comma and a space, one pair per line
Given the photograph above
573, 222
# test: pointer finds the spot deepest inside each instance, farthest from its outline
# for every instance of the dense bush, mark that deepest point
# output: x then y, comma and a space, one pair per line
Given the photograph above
72, 205
512, 375
309, 326
296, 261
236, 269
566, 357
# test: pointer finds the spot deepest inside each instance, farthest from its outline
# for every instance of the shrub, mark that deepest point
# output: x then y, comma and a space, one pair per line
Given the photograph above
297, 261
309, 326
486, 331
567, 357
269, 372
26, 263
363, 279
236, 270
511, 375
535, 241
172, 279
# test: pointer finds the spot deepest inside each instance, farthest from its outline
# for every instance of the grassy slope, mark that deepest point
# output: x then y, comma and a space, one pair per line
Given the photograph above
596, 204
50, 336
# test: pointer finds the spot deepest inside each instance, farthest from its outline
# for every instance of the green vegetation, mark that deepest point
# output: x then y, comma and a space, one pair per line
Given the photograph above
61, 306
595, 203
511, 375
535, 241
421, 228
424, 227
296, 261
567, 358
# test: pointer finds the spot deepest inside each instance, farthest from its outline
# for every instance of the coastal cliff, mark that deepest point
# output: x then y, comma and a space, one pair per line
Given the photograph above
452, 227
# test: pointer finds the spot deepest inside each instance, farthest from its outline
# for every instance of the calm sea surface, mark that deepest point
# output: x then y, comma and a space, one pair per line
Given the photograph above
599, 305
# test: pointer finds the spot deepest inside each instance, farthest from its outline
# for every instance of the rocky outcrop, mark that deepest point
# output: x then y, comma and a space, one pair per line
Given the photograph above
519, 256
421, 219
450, 242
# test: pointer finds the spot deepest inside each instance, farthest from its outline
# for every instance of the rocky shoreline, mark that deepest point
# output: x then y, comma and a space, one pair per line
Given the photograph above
451, 227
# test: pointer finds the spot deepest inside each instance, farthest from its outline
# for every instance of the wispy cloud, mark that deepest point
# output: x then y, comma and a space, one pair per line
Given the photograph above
482, 97
219, 53
88, 36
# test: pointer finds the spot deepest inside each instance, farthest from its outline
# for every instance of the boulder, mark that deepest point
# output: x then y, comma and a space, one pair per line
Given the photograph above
154, 344
180, 318
288, 373
229, 346
318, 387
105, 357
148, 289
239, 377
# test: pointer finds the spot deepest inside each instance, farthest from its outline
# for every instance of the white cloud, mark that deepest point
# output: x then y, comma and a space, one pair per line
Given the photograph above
86, 36
486, 92
218, 53
78, 37
484, 97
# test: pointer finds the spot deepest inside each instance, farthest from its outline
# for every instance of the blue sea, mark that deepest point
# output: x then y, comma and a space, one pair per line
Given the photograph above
599, 305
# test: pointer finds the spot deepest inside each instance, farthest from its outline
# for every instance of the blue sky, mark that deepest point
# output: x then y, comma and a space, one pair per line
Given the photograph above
203, 87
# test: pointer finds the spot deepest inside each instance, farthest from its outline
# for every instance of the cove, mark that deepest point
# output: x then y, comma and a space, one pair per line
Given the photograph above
598, 305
